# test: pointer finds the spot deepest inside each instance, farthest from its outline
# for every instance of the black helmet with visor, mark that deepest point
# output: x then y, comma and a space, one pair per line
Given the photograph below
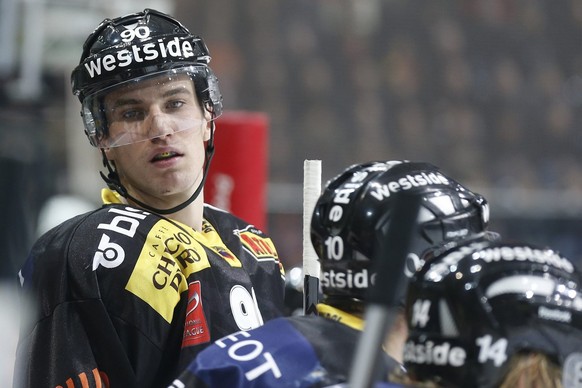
143, 48
124, 51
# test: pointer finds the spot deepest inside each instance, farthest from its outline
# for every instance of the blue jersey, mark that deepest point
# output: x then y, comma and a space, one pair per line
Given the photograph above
298, 351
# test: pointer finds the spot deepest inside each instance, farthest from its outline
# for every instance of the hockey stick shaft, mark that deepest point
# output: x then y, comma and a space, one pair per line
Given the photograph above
311, 192
390, 261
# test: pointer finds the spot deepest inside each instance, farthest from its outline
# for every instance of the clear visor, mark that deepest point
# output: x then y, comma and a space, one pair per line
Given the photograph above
144, 108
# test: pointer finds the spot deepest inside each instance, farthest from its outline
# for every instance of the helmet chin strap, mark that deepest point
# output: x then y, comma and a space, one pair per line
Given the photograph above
114, 183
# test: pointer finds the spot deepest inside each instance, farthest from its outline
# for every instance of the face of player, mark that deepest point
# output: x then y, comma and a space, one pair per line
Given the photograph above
164, 128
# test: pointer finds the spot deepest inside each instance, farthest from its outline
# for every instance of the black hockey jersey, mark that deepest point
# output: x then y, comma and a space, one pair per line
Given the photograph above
126, 298
298, 351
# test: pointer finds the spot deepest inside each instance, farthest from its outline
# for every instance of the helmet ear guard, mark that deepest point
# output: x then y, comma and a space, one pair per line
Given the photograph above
209, 92
467, 220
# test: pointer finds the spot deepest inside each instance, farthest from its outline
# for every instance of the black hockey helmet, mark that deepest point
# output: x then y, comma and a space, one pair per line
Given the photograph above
476, 304
354, 210
132, 48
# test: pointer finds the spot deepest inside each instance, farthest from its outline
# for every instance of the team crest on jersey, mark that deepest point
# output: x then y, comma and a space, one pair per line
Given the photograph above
195, 327
214, 242
225, 254
261, 247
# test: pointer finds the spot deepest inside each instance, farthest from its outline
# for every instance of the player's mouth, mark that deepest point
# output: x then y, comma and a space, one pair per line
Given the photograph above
165, 156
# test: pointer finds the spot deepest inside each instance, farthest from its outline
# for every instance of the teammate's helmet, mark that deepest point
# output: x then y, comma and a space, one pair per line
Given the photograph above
353, 213
475, 305
135, 47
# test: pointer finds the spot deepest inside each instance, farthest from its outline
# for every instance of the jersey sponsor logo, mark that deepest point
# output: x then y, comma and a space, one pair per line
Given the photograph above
125, 222
346, 279
274, 355
247, 350
167, 258
195, 327
541, 256
261, 247
138, 53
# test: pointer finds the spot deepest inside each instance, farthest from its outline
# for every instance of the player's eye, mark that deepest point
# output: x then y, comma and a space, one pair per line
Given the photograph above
175, 104
130, 114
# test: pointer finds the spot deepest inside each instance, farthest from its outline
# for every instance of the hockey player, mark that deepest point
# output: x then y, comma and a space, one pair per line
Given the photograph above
126, 295
495, 314
349, 220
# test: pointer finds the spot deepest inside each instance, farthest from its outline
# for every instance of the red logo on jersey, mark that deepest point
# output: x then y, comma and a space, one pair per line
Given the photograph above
260, 247
195, 328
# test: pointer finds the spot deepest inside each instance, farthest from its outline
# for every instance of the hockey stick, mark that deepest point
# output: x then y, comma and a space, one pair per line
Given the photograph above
382, 302
311, 192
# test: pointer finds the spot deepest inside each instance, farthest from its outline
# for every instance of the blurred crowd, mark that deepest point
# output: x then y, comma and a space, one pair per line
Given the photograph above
489, 90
